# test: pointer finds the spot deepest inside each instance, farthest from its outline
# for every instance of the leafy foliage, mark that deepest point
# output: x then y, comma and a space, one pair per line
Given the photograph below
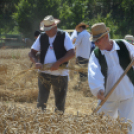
31, 12
27, 14
7, 7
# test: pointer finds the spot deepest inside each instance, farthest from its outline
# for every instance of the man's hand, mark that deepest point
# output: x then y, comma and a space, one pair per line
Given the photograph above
38, 66
69, 54
55, 66
100, 95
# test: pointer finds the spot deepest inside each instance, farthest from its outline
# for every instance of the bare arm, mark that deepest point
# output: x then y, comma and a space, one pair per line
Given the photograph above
70, 54
33, 56
34, 59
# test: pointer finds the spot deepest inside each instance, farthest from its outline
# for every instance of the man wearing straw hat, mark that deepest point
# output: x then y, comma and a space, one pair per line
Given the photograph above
55, 47
107, 63
83, 48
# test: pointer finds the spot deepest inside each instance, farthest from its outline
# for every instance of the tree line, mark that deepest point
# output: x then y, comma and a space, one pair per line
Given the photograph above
25, 15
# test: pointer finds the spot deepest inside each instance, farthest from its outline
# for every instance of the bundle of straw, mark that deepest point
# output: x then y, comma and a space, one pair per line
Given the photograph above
47, 67
77, 68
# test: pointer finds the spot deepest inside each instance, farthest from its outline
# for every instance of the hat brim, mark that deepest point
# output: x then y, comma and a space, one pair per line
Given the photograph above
95, 39
129, 38
43, 28
79, 25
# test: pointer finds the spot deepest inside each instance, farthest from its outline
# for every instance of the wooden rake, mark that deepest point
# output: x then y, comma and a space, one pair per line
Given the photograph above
114, 86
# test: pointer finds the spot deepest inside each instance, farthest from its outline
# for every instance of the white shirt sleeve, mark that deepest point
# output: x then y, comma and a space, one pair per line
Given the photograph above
67, 42
130, 48
36, 44
95, 77
73, 35
78, 40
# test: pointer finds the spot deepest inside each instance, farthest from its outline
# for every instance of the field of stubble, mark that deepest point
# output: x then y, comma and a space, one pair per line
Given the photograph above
18, 95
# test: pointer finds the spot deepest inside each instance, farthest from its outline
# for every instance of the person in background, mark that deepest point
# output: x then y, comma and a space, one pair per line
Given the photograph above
27, 41
107, 63
57, 49
83, 49
36, 34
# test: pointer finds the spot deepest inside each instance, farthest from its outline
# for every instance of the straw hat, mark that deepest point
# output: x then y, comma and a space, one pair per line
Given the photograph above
98, 30
79, 25
48, 23
129, 37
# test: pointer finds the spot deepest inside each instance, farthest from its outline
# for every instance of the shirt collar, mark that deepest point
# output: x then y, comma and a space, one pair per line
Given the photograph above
115, 47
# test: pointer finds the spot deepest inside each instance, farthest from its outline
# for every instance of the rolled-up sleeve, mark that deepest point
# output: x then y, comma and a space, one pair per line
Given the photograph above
95, 77
36, 44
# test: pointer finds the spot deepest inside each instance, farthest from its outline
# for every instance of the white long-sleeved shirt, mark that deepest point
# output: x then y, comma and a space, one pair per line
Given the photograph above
125, 88
83, 44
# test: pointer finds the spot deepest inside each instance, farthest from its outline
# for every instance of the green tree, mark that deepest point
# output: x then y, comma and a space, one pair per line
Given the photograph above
127, 21
7, 7
121, 14
72, 12
30, 13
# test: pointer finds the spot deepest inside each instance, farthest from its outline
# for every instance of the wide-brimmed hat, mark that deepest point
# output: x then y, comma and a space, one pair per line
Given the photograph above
48, 23
79, 25
98, 30
129, 38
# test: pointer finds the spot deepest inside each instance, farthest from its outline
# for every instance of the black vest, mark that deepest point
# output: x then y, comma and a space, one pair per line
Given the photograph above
58, 45
124, 60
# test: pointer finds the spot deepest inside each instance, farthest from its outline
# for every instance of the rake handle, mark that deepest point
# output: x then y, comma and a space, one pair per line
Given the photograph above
114, 86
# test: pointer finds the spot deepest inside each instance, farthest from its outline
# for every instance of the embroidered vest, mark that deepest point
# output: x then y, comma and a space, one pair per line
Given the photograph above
124, 60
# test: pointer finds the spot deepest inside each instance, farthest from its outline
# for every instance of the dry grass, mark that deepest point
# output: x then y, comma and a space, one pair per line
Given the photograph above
21, 86
18, 95
27, 120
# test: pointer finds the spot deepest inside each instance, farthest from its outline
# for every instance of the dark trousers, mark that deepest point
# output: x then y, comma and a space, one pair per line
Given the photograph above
82, 62
59, 84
